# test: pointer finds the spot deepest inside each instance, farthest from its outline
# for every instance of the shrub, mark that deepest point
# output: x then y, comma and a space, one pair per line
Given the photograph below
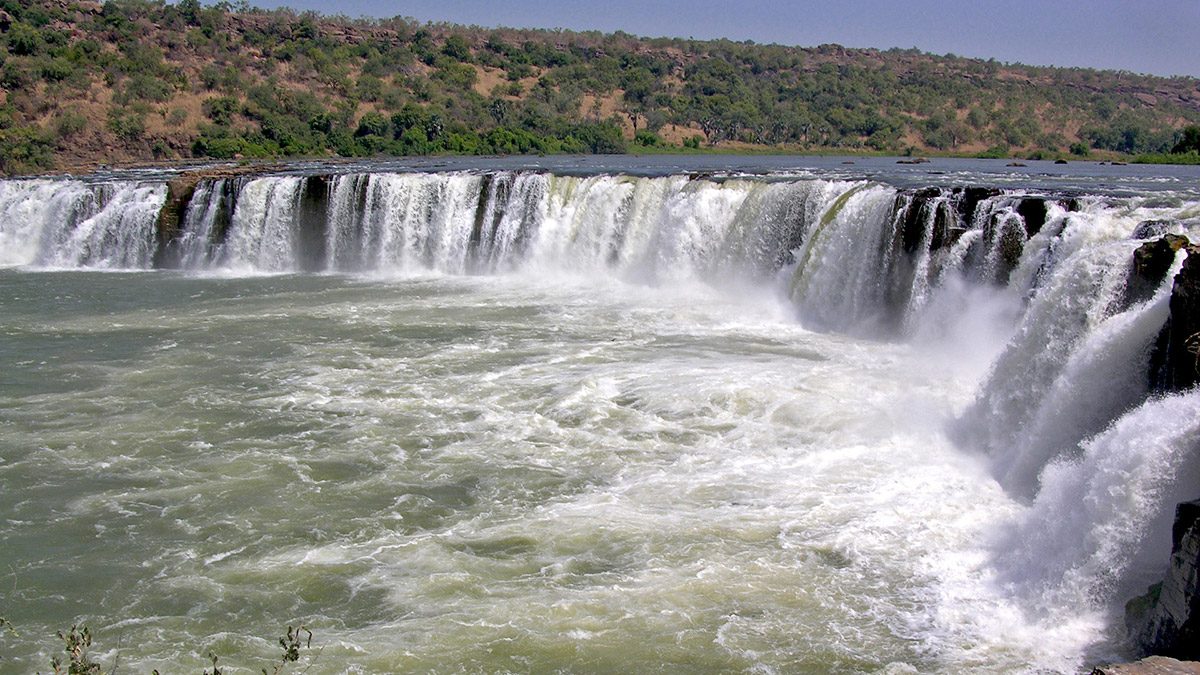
457, 48
14, 76
128, 127
57, 69
646, 139
997, 151
69, 124
221, 110
372, 124
1189, 141
24, 40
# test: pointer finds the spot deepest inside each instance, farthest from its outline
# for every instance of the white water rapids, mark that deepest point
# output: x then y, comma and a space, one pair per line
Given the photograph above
514, 421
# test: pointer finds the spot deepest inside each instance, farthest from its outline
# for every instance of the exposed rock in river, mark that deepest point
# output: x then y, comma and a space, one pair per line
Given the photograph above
1175, 362
1166, 621
1151, 262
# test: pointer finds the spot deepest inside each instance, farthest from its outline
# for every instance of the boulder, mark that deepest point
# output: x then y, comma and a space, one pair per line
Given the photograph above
970, 201
1148, 229
1166, 620
1151, 262
1033, 211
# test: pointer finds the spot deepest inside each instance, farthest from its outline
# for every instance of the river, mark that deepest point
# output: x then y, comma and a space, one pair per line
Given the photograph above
589, 415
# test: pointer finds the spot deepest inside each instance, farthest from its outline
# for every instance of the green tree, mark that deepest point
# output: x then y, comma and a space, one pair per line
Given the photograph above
372, 124
457, 48
1189, 141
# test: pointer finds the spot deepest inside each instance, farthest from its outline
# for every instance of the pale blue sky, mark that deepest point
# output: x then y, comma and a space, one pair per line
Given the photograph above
1146, 36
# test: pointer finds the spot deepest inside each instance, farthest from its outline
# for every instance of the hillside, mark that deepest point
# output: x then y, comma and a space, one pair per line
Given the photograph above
131, 80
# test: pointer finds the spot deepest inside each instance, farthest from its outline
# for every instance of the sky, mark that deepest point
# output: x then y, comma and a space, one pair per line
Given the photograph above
1157, 37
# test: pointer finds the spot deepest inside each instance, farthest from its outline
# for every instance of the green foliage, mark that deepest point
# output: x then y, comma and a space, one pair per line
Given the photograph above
1189, 141
372, 124
69, 124
78, 641
457, 48
997, 151
24, 40
14, 76
221, 109
296, 85
1192, 158
76, 644
454, 74
127, 126
646, 139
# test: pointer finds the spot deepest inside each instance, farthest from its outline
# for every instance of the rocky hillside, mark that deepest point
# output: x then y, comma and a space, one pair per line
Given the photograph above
137, 80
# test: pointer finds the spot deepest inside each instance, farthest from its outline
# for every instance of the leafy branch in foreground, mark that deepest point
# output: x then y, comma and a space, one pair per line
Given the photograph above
78, 640
291, 652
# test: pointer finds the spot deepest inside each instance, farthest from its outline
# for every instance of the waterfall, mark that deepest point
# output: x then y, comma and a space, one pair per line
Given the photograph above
1062, 416
74, 224
1100, 525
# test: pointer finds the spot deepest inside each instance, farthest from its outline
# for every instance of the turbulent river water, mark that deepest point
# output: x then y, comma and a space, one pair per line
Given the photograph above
657, 415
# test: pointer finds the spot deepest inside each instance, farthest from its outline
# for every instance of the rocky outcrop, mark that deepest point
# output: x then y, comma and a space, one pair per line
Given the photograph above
310, 216
1034, 212
1166, 620
180, 190
1155, 665
1151, 262
1175, 361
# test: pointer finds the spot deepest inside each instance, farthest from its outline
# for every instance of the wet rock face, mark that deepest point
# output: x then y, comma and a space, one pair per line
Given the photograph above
1175, 362
170, 218
1166, 621
1151, 262
1034, 212
1148, 229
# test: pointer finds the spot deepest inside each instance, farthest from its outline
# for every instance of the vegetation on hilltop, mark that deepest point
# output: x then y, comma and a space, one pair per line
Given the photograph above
139, 80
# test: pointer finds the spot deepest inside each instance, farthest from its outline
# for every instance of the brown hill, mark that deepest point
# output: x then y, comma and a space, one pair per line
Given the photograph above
132, 80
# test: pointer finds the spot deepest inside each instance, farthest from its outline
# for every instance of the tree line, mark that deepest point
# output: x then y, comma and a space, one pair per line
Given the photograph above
141, 79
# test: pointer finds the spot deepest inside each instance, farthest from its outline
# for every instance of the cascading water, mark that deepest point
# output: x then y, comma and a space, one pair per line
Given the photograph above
1030, 289
72, 224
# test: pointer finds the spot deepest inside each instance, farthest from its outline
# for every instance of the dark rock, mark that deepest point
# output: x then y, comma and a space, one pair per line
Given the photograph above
310, 216
917, 213
1148, 229
970, 201
1060, 161
1175, 361
1151, 262
1155, 665
1033, 211
170, 217
1166, 621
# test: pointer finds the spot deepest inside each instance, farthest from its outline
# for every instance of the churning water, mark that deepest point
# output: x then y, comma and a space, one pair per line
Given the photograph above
527, 421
